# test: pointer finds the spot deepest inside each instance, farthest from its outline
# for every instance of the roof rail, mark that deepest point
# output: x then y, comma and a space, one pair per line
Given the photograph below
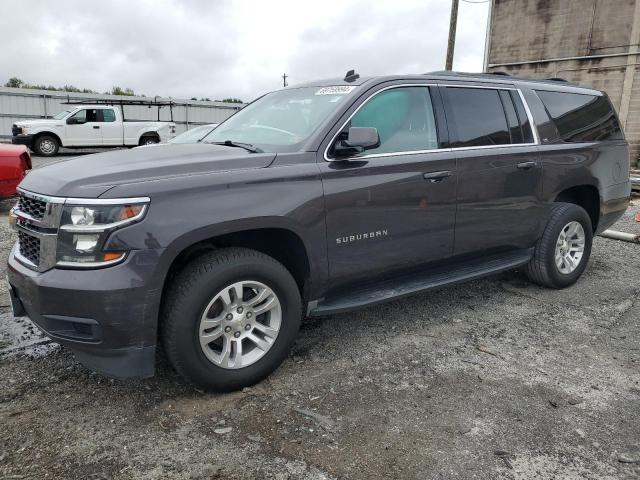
469, 74
106, 101
121, 102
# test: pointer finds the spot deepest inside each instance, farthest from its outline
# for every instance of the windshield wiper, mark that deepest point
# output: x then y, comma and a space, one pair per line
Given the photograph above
247, 146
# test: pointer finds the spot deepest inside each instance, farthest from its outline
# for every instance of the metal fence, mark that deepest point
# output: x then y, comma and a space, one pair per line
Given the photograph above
20, 104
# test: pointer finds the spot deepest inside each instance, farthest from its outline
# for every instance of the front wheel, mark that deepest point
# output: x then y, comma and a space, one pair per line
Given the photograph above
562, 253
46, 145
230, 318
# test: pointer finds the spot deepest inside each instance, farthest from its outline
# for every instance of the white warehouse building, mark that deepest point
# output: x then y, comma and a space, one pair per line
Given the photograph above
26, 104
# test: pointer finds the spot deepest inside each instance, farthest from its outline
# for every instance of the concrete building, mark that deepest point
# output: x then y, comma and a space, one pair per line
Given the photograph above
590, 42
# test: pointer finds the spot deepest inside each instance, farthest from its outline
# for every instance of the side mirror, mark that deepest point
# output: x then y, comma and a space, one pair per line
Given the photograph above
358, 140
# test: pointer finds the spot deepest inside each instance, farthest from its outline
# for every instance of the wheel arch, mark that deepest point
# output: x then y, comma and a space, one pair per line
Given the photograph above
283, 244
586, 196
149, 133
47, 132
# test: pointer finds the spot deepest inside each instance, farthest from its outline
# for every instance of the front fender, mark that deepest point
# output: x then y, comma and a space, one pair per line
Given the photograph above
202, 207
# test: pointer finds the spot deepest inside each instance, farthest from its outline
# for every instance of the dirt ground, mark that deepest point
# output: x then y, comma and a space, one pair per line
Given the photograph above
496, 378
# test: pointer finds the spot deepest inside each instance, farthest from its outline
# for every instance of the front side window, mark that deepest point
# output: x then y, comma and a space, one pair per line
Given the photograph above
404, 119
478, 116
282, 121
80, 116
61, 115
581, 118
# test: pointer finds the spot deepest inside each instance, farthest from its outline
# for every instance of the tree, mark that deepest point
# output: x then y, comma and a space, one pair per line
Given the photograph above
120, 91
14, 82
230, 100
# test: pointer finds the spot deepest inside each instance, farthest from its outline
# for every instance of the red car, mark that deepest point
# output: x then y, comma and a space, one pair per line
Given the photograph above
15, 162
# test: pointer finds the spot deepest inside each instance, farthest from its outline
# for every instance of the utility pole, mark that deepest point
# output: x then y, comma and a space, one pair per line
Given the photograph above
452, 34
284, 79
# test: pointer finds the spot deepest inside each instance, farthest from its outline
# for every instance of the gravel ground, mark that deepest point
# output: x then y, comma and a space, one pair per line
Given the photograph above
495, 378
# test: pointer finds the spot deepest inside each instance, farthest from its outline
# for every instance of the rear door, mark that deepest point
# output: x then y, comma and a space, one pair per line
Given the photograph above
499, 193
392, 207
111, 129
85, 128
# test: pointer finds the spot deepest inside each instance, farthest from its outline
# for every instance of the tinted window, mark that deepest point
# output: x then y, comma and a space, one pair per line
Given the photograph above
479, 117
515, 130
404, 118
108, 115
582, 118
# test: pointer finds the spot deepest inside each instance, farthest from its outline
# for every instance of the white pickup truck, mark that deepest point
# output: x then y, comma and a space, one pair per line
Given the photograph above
89, 126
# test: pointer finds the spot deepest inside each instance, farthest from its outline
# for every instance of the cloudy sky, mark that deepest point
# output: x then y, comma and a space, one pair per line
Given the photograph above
225, 48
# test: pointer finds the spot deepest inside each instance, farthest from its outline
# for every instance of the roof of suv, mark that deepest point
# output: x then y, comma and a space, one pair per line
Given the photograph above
554, 84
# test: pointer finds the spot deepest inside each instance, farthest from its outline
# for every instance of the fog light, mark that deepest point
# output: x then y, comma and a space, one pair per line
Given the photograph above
85, 243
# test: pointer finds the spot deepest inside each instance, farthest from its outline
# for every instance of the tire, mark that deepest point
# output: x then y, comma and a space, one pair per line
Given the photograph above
192, 295
149, 140
46, 145
543, 268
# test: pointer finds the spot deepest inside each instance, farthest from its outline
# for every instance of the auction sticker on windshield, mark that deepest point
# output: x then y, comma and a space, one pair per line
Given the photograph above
336, 90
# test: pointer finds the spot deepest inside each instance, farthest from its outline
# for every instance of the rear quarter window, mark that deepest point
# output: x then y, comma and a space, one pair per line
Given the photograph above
582, 118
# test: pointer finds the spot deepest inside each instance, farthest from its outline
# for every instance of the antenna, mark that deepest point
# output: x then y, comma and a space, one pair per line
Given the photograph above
351, 76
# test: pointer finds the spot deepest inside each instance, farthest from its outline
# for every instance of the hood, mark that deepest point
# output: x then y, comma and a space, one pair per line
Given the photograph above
92, 175
39, 122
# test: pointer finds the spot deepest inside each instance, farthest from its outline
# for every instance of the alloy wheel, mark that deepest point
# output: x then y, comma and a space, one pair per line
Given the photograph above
240, 324
570, 247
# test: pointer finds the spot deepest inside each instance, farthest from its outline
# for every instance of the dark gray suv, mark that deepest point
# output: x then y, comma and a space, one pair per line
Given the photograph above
312, 200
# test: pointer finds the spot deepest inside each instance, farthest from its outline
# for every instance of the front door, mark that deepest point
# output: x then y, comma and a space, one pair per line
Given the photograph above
392, 207
83, 128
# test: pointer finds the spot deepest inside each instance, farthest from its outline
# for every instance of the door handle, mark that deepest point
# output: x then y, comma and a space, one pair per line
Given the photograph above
434, 177
527, 165
96, 126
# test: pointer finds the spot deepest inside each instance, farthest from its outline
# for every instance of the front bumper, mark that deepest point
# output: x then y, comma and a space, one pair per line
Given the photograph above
22, 140
108, 317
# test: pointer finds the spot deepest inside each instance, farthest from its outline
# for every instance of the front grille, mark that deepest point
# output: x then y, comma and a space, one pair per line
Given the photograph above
16, 130
32, 207
29, 247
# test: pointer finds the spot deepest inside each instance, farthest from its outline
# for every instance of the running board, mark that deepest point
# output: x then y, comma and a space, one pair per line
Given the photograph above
419, 282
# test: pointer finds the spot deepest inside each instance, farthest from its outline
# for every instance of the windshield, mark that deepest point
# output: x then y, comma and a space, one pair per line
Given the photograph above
61, 115
193, 135
281, 121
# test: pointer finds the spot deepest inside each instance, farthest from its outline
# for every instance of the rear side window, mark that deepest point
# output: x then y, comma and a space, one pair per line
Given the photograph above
108, 115
404, 118
479, 117
581, 118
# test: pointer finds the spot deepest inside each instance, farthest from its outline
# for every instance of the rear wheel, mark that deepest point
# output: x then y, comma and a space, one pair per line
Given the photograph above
46, 145
230, 318
562, 253
149, 140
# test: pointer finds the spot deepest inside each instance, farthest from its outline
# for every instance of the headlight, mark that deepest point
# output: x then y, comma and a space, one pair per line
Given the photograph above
24, 130
84, 230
